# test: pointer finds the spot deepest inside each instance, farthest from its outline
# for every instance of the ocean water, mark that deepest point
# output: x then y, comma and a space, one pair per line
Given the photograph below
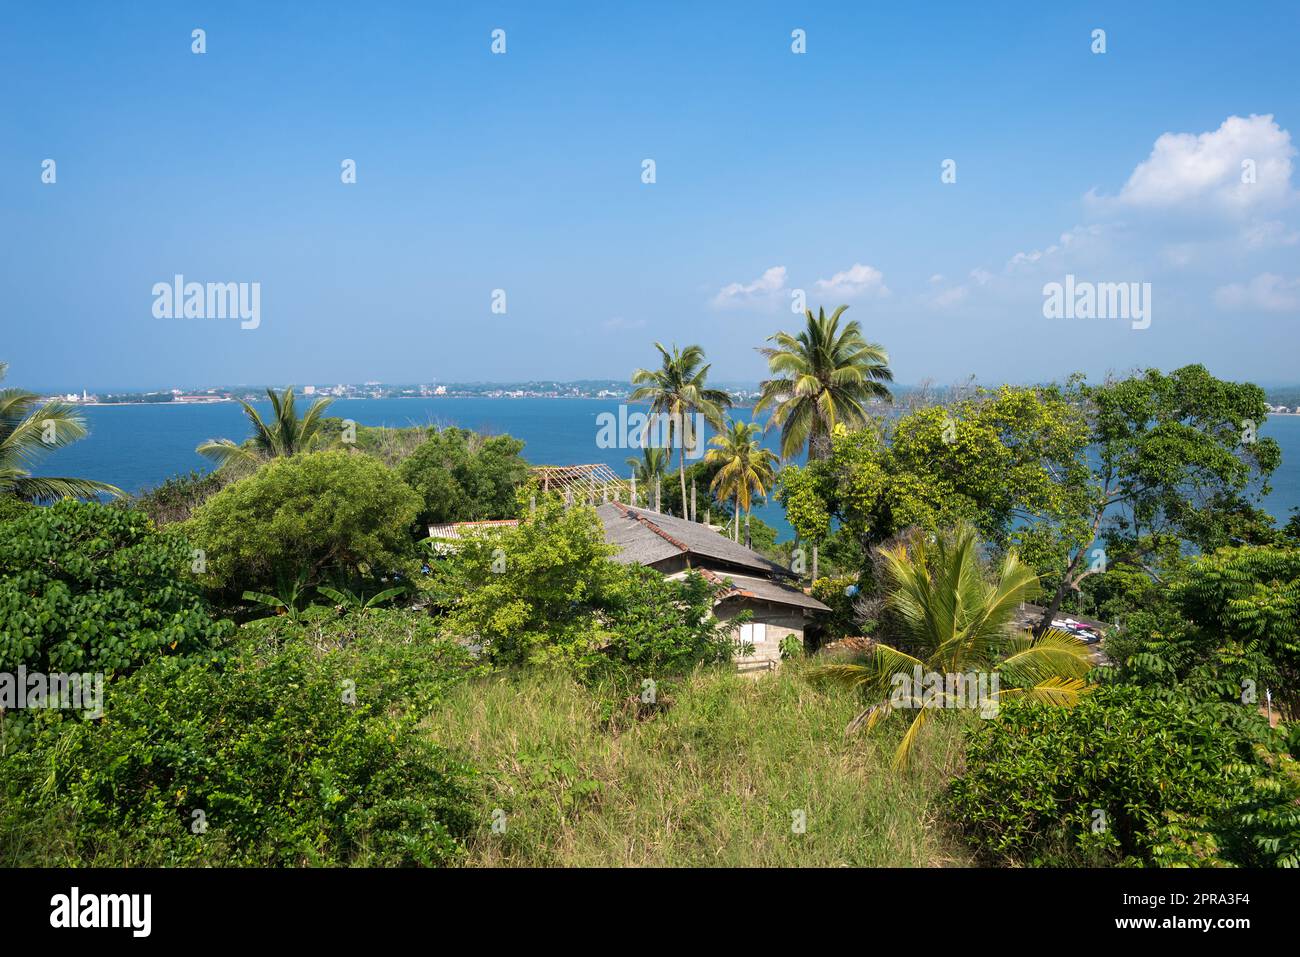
134, 446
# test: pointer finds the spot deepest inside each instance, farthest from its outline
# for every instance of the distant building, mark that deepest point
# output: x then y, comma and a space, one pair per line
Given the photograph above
309, 390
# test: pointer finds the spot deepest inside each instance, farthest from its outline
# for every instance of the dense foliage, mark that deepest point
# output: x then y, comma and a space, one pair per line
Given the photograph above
1126, 777
176, 499
87, 587
1228, 627
546, 593
461, 476
307, 518
276, 754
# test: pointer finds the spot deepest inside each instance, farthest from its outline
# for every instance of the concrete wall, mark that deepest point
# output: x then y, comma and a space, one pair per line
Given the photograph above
781, 620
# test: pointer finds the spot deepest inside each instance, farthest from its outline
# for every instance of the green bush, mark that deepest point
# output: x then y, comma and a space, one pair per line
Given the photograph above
88, 587
292, 755
1228, 626
313, 517
176, 499
547, 593
1131, 778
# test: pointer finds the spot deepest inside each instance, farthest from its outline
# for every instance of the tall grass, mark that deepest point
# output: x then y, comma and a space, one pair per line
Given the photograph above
714, 779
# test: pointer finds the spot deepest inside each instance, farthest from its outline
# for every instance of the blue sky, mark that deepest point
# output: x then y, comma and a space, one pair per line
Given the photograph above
775, 171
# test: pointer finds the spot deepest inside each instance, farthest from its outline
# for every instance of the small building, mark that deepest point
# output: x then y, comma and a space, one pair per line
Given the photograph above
747, 580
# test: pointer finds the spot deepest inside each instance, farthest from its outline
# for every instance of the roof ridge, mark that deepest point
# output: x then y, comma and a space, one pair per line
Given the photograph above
627, 510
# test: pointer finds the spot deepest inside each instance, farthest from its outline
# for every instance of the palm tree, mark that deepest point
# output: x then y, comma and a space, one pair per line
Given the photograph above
747, 467
823, 376
677, 390
958, 621
286, 435
652, 465
28, 429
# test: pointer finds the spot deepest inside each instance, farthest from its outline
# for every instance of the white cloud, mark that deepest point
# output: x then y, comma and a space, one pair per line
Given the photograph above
1196, 172
1267, 234
1267, 292
857, 280
763, 289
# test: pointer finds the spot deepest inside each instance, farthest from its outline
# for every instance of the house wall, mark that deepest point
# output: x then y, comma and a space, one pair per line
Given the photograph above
781, 620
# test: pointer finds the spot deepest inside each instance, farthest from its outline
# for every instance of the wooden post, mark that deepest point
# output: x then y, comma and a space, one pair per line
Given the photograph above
708, 515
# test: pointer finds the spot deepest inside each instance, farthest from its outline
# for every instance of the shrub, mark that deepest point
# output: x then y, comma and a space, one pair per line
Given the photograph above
176, 499
1127, 777
1232, 626
310, 517
548, 593
90, 587
291, 755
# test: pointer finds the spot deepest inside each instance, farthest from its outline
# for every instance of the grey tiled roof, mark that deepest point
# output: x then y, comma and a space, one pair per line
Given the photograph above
752, 586
645, 537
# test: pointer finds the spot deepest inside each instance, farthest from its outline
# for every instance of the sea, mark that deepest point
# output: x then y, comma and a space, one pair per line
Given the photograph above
137, 446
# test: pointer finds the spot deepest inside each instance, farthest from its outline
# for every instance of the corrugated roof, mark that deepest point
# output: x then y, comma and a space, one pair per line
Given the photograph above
645, 537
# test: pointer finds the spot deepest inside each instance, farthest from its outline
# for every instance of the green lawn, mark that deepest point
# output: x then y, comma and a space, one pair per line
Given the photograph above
714, 779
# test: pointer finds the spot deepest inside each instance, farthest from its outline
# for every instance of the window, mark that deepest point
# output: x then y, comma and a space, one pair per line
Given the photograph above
753, 633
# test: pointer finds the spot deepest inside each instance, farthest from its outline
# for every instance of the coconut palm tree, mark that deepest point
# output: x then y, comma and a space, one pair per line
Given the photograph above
677, 390
747, 467
652, 465
29, 429
822, 377
958, 621
286, 435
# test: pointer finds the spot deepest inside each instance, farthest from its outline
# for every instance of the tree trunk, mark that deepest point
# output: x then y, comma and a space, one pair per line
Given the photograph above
735, 537
819, 443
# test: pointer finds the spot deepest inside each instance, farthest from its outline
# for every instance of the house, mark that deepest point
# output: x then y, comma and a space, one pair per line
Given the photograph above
748, 581
673, 546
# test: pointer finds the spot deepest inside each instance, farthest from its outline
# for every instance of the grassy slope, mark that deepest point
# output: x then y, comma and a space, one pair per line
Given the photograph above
710, 782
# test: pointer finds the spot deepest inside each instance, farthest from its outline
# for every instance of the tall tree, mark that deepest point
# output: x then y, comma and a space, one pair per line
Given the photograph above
957, 621
747, 467
1176, 461
678, 391
285, 435
27, 431
822, 377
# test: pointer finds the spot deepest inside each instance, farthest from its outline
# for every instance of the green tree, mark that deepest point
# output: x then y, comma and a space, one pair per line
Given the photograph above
678, 390
285, 435
957, 621
309, 518
822, 377
1175, 461
746, 468
651, 467
1009, 461
547, 593
29, 429
1230, 630
462, 476
89, 587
